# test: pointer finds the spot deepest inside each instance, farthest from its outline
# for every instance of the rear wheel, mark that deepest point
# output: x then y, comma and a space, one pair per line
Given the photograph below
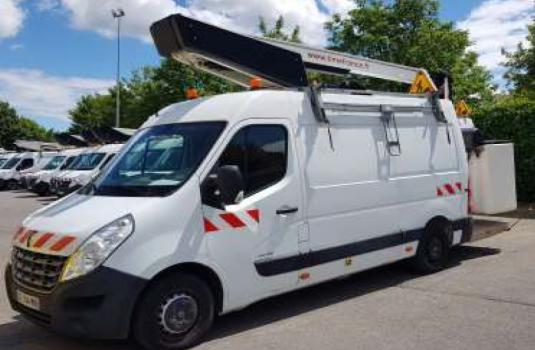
434, 247
175, 313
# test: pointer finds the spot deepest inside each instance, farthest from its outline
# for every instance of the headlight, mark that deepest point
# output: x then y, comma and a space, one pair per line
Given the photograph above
100, 245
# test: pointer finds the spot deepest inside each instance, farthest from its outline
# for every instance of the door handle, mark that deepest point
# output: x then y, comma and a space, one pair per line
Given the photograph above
286, 210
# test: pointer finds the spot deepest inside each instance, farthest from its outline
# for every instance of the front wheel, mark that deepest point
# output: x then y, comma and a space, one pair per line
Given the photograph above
175, 313
434, 247
12, 185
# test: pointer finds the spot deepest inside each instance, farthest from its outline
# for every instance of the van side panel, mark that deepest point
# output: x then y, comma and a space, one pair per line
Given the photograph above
428, 174
350, 195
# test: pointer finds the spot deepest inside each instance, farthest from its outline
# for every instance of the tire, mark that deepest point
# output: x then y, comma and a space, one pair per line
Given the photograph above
153, 325
12, 185
434, 247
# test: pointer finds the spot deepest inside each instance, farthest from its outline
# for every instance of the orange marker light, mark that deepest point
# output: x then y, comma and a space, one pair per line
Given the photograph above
409, 249
192, 93
304, 276
255, 83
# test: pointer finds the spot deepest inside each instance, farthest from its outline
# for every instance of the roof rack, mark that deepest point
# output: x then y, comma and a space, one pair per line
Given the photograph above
238, 58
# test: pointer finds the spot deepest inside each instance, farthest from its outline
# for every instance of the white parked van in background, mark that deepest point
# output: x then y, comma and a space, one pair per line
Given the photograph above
222, 201
86, 169
4, 157
39, 182
42, 159
10, 171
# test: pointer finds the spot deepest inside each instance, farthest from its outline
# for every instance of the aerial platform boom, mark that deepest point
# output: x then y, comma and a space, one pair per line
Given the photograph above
238, 57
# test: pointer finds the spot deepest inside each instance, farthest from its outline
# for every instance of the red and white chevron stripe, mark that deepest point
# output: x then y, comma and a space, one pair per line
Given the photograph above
46, 242
450, 189
218, 220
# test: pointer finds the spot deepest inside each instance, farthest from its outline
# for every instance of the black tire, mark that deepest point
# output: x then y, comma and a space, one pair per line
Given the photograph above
434, 247
12, 185
148, 328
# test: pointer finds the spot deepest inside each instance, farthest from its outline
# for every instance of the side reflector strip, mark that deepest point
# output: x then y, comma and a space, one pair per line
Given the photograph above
209, 226
232, 220
450, 190
255, 214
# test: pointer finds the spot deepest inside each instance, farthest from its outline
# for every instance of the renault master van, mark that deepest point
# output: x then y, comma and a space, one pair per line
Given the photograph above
9, 173
87, 168
219, 202
42, 159
39, 182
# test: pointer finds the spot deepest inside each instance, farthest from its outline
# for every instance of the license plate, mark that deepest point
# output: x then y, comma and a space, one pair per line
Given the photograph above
28, 300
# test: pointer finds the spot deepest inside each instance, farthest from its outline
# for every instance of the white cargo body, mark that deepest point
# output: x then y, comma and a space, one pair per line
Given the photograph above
222, 201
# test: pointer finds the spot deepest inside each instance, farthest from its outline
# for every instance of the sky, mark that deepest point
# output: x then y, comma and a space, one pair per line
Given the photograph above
54, 51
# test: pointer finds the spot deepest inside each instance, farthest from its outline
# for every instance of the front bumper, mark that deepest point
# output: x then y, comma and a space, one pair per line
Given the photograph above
99, 305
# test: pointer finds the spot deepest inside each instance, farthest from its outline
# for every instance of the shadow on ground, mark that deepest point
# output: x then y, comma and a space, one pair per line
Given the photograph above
19, 333
523, 211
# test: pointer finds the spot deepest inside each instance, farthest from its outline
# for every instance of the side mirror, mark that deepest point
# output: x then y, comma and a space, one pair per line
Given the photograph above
230, 183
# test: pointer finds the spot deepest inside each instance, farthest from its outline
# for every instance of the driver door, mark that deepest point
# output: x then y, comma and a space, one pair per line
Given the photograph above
251, 237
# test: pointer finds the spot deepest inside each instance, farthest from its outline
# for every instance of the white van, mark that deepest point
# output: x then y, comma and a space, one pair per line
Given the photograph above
41, 160
39, 182
10, 171
4, 157
222, 201
86, 169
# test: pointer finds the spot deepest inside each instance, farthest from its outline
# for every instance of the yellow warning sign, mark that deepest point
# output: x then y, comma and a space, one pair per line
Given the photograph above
422, 83
462, 109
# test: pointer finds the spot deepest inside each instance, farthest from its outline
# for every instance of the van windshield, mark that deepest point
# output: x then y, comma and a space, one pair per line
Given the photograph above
54, 163
2, 161
158, 159
11, 163
88, 161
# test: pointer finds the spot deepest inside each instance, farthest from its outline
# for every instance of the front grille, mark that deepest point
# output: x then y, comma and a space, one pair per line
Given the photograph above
35, 270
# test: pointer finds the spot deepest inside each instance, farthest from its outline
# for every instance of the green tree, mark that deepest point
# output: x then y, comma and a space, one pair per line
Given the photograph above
148, 90
408, 32
521, 65
472, 82
278, 32
14, 127
27, 129
8, 125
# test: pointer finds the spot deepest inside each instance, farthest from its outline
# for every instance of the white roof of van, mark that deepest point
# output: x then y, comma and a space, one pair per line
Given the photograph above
110, 148
268, 104
73, 151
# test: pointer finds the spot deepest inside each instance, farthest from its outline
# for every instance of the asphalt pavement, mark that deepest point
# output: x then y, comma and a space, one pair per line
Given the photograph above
485, 300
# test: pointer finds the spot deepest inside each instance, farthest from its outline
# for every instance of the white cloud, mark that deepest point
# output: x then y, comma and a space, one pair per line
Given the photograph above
16, 47
497, 24
12, 18
35, 94
237, 15
47, 5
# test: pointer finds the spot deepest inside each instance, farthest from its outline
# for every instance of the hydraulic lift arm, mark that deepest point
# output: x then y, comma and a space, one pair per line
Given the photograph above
238, 58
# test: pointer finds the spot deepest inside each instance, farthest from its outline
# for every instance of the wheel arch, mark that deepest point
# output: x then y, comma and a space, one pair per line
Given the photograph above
205, 273
439, 219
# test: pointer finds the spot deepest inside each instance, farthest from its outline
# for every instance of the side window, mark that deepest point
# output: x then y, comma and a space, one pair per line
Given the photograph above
261, 152
25, 164
106, 161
